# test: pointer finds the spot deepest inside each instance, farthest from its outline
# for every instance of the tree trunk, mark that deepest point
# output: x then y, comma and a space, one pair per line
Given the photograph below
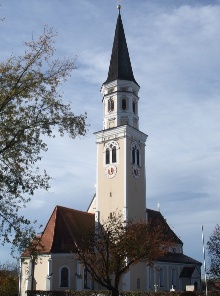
115, 292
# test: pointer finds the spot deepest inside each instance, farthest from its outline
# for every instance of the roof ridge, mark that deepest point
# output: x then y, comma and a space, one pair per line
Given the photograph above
54, 229
46, 229
80, 211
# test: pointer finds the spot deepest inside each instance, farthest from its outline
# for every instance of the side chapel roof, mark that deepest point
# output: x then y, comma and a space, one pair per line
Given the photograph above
180, 258
120, 65
156, 216
64, 230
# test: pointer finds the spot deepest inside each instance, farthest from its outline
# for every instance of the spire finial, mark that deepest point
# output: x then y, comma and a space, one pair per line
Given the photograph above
119, 6
158, 207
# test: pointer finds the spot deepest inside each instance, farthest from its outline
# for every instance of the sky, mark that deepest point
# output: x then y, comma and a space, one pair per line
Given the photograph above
174, 48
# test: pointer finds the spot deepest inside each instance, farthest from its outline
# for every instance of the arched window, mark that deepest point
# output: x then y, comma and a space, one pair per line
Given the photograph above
134, 107
149, 277
111, 152
110, 105
107, 156
138, 283
114, 155
138, 158
64, 277
135, 154
173, 277
85, 278
123, 104
161, 277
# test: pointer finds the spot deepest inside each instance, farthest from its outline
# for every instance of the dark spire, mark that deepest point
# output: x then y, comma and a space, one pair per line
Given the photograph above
120, 64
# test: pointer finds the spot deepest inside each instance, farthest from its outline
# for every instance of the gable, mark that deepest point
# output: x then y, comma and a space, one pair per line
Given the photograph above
65, 229
155, 217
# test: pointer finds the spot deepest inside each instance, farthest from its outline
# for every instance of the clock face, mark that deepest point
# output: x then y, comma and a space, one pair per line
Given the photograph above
135, 171
110, 171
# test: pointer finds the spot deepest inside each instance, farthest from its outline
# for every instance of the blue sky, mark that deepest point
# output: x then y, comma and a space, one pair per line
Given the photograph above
174, 49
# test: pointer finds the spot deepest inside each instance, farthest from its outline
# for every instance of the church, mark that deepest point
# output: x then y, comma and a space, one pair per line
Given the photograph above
120, 186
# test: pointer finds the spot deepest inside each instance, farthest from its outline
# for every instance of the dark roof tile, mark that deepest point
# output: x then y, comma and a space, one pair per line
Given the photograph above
187, 272
155, 217
120, 64
178, 258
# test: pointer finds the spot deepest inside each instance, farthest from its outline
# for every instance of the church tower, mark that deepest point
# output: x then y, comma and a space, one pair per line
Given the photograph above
120, 185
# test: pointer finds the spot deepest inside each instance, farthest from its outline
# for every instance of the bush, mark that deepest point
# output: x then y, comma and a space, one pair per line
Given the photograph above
124, 293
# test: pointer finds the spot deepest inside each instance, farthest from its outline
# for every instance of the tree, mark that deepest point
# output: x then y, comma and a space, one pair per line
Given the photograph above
8, 279
31, 109
117, 246
213, 246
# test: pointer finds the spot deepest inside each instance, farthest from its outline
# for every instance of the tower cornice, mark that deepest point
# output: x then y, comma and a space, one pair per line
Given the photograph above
120, 132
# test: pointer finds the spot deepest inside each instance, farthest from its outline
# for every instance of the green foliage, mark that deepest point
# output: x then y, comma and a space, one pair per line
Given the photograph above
213, 284
8, 280
31, 109
213, 246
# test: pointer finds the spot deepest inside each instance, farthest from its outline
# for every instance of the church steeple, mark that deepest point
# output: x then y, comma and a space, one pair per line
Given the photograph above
120, 185
120, 65
120, 90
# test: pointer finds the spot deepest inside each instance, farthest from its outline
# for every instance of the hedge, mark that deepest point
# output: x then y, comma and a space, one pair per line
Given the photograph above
108, 293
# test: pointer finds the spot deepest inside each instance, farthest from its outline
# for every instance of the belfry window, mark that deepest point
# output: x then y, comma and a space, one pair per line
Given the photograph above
134, 107
111, 152
135, 154
114, 156
107, 156
123, 104
138, 157
110, 105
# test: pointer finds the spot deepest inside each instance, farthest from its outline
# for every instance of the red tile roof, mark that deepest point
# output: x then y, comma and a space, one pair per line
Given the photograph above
65, 228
